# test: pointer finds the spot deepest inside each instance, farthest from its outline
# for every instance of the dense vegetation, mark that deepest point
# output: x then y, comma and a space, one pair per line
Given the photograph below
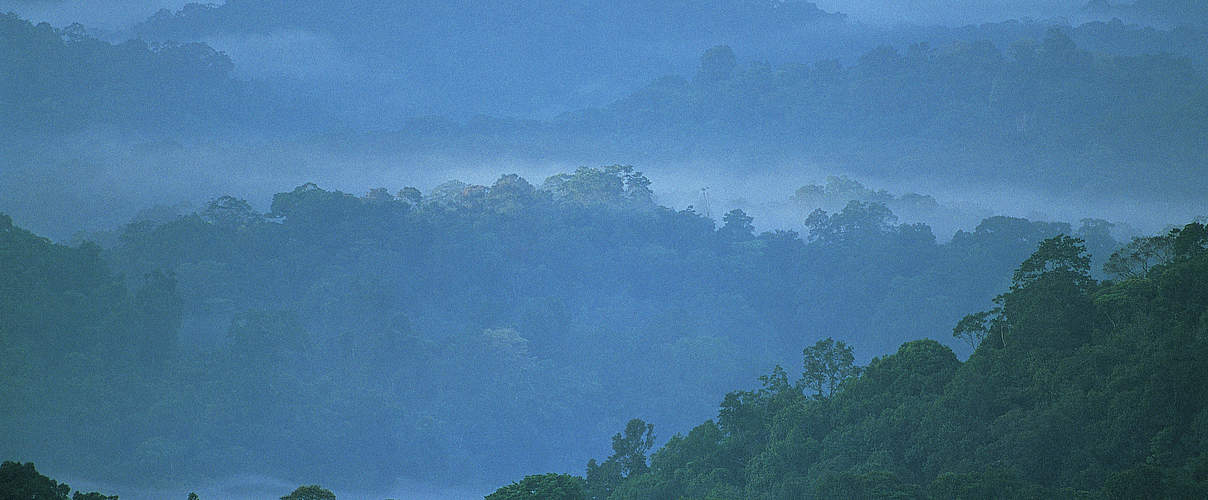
1041, 113
1077, 389
395, 322
59, 81
474, 333
634, 18
569, 47
22, 482
1088, 112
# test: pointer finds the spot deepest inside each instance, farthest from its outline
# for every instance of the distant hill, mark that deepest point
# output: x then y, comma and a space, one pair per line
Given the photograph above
358, 339
499, 58
60, 81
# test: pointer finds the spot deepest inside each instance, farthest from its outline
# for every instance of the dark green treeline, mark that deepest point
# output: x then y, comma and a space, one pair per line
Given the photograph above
1077, 389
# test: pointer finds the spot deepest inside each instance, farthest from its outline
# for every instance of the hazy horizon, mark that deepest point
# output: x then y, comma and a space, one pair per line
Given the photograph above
656, 204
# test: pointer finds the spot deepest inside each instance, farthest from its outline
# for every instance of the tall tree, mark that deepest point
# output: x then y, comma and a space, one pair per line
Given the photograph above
1139, 256
827, 364
629, 449
737, 226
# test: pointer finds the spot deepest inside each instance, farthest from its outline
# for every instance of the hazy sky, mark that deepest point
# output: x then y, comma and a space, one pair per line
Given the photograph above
323, 64
114, 14
949, 11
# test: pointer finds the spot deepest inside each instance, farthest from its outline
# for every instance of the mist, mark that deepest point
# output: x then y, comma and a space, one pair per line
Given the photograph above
128, 175
424, 250
954, 12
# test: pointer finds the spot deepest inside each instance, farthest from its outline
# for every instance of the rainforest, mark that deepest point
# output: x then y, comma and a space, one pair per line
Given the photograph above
603, 250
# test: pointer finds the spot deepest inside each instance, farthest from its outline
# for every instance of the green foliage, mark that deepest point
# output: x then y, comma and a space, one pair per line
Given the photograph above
874, 484
1047, 305
615, 185
1150, 481
993, 483
827, 364
920, 367
1017, 102
62, 81
22, 482
973, 328
1117, 415
91, 496
858, 222
1060, 257
629, 449
737, 226
544, 487
1140, 255
382, 327
310, 492
628, 460
1049, 298
1190, 240
602, 479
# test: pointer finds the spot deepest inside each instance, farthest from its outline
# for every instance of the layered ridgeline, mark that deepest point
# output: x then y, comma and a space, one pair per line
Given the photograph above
1079, 114
1042, 114
1077, 389
241, 64
473, 331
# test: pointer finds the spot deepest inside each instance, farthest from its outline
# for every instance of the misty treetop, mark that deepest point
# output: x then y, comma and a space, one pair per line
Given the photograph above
504, 58
197, 20
1092, 111
467, 335
508, 58
1039, 112
1035, 102
60, 81
1014, 91
427, 334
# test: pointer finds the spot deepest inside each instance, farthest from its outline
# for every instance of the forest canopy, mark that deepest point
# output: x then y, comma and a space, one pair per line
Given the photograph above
1096, 393
420, 306
264, 248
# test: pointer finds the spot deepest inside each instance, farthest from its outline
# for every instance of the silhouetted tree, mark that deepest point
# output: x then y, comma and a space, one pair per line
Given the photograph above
311, 492
827, 364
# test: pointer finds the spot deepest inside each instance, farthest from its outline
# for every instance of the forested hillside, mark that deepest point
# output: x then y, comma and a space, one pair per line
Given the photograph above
232, 260
61, 81
397, 323
1074, 113
1077, 389
1041, 114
